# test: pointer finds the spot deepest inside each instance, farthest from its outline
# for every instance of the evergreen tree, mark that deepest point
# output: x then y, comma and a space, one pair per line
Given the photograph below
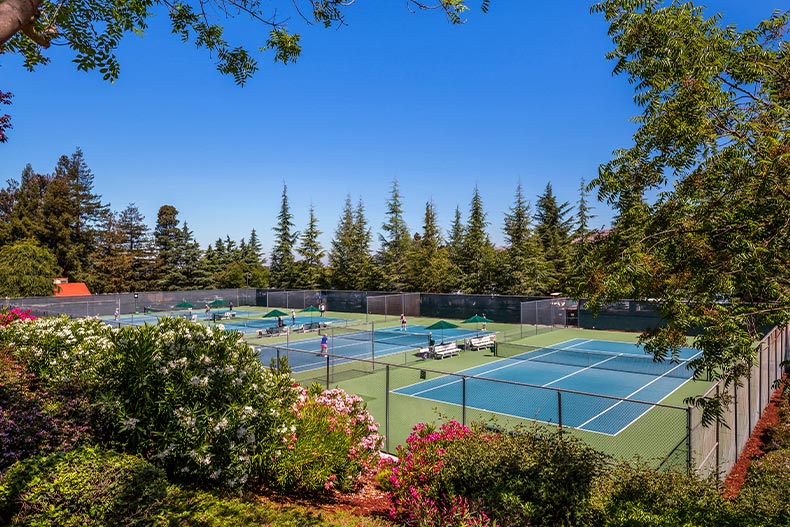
112, 262
524, 267
167, 236
429, 261
395, 244
349, 258
455, 242
281, 267
311, 267
80, 215
195, 274
25, 202
477, 253
553, 227
583, 213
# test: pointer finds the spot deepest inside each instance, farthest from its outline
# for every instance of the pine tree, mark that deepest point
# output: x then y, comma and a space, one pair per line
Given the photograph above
281, 265
167, 236
455, 242
395, 244
477, 253
583, 213
85, 214
311, 267
553, 226
429, 262
195, 274
524, 266
349, 258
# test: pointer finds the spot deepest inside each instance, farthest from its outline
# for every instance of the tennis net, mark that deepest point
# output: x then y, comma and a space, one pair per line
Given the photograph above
393, 336
596, 359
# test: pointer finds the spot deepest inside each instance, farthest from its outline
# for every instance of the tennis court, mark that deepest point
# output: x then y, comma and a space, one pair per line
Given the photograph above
581, 367
347, 343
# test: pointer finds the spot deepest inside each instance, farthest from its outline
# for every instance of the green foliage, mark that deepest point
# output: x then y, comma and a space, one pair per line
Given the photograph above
395, 244
763, 497
350, 264
310, 268
281, 264
631, 496
330, 442
27, 269
195, 399
532, 477
86, 487
712, 145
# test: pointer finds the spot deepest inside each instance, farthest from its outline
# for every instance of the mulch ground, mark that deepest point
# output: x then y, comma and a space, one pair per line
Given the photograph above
755, 446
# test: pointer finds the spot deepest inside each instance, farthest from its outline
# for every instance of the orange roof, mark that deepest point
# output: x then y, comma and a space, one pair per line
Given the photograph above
73, 289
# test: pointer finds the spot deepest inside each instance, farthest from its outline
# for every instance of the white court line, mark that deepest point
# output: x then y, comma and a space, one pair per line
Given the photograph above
581, 426
510, 363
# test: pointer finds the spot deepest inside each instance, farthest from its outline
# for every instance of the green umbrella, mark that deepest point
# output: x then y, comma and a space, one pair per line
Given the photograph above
476, 319
311, 310
218, 303
183, 305
442, 325
275, 313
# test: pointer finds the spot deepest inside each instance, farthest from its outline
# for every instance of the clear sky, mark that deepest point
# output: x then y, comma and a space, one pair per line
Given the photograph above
523, 93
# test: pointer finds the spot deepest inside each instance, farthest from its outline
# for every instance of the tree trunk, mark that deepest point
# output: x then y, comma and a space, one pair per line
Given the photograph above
17, 15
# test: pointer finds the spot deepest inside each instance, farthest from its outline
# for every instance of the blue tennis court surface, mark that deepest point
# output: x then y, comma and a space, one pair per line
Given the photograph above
348, 344
594, 367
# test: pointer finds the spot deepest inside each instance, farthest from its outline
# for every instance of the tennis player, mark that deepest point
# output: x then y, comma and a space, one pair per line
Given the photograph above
324, 345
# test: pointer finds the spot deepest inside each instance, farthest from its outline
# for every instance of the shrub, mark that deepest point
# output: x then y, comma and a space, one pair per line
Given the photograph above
637, 495
194, 399
35, 420
331, 441
531, 477
60, 350
86, 487
12, 315
763, 497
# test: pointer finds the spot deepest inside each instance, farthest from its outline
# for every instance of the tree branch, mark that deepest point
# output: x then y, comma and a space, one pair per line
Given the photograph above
19, 15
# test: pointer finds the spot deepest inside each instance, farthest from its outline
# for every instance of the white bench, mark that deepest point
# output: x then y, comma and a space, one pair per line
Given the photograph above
440, 351
482, 342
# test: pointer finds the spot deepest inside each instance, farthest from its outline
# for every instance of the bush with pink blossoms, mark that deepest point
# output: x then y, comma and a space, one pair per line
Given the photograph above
329, 444
12, 315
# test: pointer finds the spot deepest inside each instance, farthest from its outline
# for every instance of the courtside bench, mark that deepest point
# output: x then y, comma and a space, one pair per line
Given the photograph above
440, 351
482, 342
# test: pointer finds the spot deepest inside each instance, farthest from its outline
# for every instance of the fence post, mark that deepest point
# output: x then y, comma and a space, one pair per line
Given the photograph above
718, 434
559, 411
463, 400
327, 367
277, 351
689, 456
373, 346
387, 408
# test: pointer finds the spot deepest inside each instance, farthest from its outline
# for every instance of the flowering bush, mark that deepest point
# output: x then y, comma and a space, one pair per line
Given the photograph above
10, 315
457, 475
329, 443
60, 350
195, 399
416, 498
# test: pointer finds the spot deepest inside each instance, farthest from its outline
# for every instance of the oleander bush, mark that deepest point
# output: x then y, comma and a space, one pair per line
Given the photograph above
196, 401
83, 488
322, 424
457, 475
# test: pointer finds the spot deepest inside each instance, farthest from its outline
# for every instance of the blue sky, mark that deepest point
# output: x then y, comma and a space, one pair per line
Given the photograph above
523, 93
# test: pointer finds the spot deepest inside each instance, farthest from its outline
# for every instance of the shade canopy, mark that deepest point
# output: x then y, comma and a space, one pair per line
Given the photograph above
310, 309
275, 313
218, 303
442, 324
183, 305
476, 318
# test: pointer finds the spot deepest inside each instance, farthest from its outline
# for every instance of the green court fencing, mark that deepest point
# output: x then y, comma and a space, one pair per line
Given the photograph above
378, 382
129, 303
